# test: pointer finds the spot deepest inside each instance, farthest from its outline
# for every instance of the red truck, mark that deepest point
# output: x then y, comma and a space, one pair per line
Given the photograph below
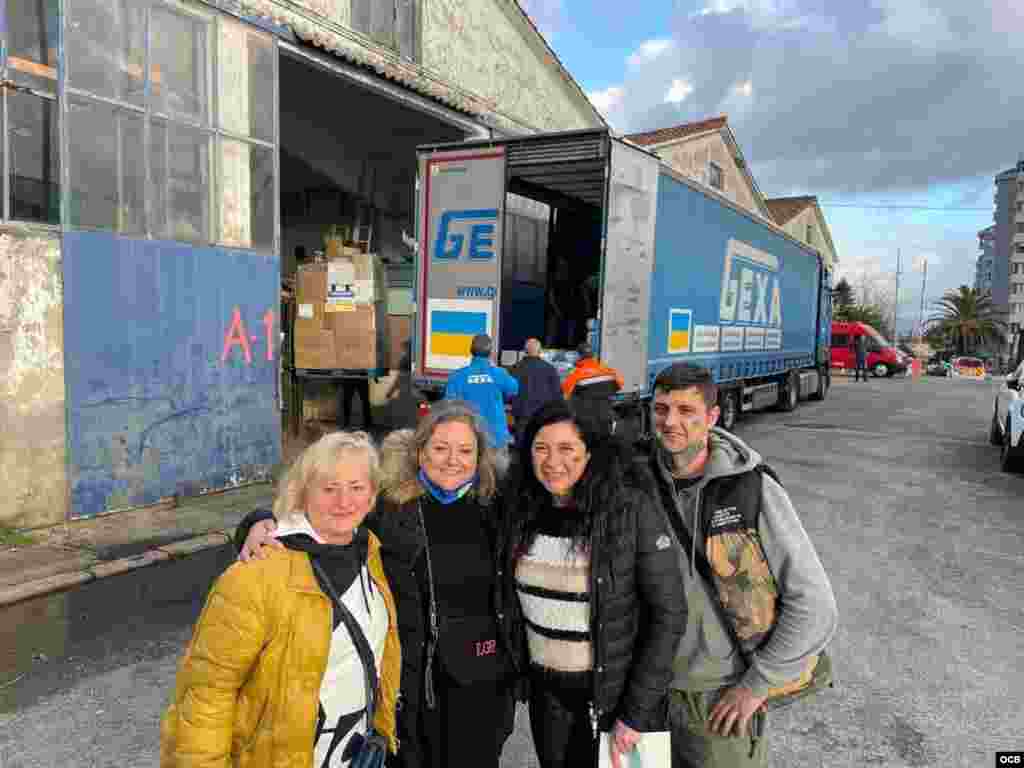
883, 358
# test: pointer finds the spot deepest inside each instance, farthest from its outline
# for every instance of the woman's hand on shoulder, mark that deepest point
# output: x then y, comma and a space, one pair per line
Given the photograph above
259, 541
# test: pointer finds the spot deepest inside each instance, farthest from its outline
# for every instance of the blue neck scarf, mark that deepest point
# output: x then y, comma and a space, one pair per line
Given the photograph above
440, 494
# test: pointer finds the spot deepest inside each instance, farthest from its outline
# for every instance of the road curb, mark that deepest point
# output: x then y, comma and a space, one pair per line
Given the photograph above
62, 581
40, 587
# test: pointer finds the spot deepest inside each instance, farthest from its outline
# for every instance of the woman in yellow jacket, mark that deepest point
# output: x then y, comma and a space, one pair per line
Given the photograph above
287, 649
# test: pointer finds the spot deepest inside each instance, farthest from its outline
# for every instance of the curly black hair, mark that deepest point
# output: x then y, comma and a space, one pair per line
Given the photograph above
599, 493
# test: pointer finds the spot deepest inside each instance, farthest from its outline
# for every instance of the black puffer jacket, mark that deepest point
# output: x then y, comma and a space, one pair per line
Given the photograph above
638, 611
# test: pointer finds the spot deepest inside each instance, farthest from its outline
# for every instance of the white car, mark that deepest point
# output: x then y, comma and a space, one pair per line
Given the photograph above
1007, 429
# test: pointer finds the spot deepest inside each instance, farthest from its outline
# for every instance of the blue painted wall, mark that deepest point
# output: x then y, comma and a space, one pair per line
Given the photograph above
691, 236
161, 399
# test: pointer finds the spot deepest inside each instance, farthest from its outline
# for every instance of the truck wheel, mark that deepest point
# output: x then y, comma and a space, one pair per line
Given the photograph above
822, 390
1007, 461
790, 393
730, 411
881, 370
995, 437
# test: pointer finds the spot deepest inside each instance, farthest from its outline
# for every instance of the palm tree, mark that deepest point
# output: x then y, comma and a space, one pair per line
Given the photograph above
968, 318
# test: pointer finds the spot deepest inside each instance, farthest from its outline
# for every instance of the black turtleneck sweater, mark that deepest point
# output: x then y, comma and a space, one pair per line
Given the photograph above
460, 555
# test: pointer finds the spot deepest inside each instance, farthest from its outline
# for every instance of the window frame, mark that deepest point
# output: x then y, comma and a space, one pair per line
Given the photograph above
210, 126
55, 97
713, 169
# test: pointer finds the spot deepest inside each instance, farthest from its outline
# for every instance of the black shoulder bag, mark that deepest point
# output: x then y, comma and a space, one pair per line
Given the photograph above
363, 751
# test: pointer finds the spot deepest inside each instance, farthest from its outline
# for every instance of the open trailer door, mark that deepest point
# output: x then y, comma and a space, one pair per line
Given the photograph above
629, 264
461, 205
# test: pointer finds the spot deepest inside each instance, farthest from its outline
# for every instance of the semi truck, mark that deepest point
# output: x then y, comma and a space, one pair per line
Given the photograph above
648, 265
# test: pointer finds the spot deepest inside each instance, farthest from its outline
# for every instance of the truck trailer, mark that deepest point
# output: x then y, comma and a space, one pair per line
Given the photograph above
649, 266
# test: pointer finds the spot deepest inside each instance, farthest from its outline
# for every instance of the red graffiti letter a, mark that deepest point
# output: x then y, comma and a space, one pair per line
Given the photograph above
236, 335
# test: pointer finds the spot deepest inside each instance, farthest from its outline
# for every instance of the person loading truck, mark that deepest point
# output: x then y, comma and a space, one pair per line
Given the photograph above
591, 385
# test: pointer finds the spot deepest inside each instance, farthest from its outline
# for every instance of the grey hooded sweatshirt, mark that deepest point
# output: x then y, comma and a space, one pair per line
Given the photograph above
806, 616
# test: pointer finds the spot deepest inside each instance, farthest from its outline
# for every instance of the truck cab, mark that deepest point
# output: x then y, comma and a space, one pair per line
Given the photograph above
883, 359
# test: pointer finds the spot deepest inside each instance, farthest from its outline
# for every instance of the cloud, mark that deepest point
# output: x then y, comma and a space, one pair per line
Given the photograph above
678, 91
547, 15
840, 99
607, 100
649, 50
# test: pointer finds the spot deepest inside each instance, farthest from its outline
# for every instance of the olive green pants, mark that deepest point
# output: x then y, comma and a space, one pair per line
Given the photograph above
694, 746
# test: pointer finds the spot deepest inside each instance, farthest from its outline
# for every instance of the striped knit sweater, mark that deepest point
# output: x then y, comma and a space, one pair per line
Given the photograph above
553, 584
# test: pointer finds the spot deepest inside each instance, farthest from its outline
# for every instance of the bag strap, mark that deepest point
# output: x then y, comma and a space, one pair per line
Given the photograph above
435, 627
358, 639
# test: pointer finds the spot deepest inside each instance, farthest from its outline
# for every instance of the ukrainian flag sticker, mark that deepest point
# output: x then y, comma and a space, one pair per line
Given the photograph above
451, 326
679, 328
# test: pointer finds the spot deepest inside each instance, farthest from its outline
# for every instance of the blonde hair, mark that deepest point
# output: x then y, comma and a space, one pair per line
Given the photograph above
401, 450
319, 459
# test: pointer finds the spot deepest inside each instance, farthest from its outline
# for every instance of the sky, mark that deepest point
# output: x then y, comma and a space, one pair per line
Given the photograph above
889, 105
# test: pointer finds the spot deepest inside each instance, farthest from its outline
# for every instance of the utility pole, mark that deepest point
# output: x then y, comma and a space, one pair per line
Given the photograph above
924, 282
896, 307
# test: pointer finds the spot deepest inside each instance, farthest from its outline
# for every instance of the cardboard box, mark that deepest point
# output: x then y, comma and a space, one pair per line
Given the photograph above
342, 324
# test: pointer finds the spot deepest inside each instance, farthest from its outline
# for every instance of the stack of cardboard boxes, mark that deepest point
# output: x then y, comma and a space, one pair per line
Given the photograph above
341, 312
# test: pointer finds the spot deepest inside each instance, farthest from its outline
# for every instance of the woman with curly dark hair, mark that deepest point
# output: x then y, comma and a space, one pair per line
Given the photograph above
600, 605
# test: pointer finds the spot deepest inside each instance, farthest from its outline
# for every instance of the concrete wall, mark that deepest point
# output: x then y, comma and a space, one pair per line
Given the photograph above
691, 156
483, 46
32, 435
797, 228
479, 56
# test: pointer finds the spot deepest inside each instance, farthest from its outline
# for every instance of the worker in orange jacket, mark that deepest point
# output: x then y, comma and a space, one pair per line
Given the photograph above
590, 386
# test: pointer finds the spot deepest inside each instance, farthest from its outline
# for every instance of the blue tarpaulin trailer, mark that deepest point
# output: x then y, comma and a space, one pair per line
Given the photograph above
682, 273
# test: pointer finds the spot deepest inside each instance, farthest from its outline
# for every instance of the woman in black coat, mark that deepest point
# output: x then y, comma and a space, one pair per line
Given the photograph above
599, 606
439, 545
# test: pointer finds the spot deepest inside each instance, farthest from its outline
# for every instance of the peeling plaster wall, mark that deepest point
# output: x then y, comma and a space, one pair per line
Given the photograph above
32, 433
691, 158
477, 44
478, 56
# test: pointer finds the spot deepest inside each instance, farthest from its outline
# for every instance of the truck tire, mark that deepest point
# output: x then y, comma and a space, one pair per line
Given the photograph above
881, 370
790, 396
995, 437
822, 391
728, 404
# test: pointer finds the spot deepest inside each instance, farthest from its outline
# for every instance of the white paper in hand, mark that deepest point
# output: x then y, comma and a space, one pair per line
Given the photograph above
654, 750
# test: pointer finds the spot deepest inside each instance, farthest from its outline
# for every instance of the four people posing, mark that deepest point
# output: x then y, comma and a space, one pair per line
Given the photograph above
670, 587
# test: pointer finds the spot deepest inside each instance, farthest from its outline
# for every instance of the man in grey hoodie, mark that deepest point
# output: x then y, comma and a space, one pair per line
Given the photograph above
761, 607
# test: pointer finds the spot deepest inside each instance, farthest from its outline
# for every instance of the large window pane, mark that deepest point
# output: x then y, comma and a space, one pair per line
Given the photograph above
32, 43
180, 169
179, 61
246, 87
35, 158
132, 211
107, 167
261, 87
106, 48
246, 195
92, 158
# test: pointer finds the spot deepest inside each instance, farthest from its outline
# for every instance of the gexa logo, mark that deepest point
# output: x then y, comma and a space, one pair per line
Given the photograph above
238, 336
450, 240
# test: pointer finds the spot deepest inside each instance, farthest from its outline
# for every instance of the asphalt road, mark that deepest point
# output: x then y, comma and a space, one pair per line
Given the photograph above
920, 533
